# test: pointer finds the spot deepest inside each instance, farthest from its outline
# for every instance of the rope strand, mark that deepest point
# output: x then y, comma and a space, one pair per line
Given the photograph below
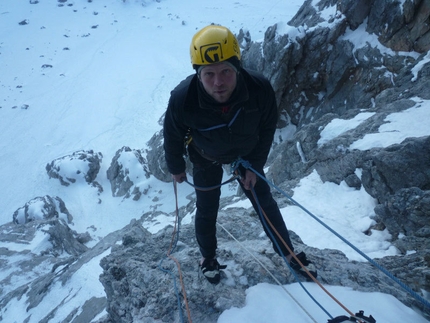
173, 243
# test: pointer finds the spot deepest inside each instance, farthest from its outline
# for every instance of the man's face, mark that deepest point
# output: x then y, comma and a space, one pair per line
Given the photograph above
219, 80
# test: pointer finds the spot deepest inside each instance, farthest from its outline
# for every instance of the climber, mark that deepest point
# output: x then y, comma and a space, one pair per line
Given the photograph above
225, 111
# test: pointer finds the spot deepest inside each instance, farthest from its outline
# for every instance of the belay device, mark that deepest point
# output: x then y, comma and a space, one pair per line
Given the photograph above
358, 317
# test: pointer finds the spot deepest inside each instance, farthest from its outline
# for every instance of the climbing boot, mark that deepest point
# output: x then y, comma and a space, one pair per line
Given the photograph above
211, 270
306, 263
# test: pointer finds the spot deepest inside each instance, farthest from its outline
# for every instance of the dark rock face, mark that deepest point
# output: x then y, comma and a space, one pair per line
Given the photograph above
407, 213
397, 167
319, 70
401, 27
156, 161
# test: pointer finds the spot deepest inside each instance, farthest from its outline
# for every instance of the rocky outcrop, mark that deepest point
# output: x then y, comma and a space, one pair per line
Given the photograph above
42, 208
400, 166
55, 259
401, 26
72, 168
156, 161
320, 69
60, 247
142, 283
127, 170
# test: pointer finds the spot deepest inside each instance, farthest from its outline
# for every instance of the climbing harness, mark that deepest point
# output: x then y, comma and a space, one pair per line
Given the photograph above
189, 138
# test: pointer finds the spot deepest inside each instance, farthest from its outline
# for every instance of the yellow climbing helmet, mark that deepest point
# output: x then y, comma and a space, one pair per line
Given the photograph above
214, 44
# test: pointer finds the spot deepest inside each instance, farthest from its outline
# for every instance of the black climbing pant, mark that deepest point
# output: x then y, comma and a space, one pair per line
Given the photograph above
209, 174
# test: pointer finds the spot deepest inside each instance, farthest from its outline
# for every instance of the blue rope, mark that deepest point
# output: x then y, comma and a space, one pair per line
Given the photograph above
175, 287
247, 165
175, 242
263, 220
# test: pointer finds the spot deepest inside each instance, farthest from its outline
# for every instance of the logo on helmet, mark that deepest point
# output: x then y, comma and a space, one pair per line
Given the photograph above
211, 53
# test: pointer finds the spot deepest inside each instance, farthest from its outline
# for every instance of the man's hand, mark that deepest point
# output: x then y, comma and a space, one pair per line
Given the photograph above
249, 180
179, 178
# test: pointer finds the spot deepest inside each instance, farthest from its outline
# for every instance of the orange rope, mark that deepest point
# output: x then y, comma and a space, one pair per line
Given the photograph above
184, 293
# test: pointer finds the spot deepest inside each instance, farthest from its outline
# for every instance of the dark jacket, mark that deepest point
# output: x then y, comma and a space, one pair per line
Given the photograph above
245, 131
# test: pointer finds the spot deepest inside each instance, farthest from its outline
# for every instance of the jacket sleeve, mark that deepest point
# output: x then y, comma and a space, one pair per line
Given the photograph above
174, 132
269, 119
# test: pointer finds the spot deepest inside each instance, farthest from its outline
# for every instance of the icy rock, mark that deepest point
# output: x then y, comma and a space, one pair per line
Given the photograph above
42, 208
128, 168
81, 165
